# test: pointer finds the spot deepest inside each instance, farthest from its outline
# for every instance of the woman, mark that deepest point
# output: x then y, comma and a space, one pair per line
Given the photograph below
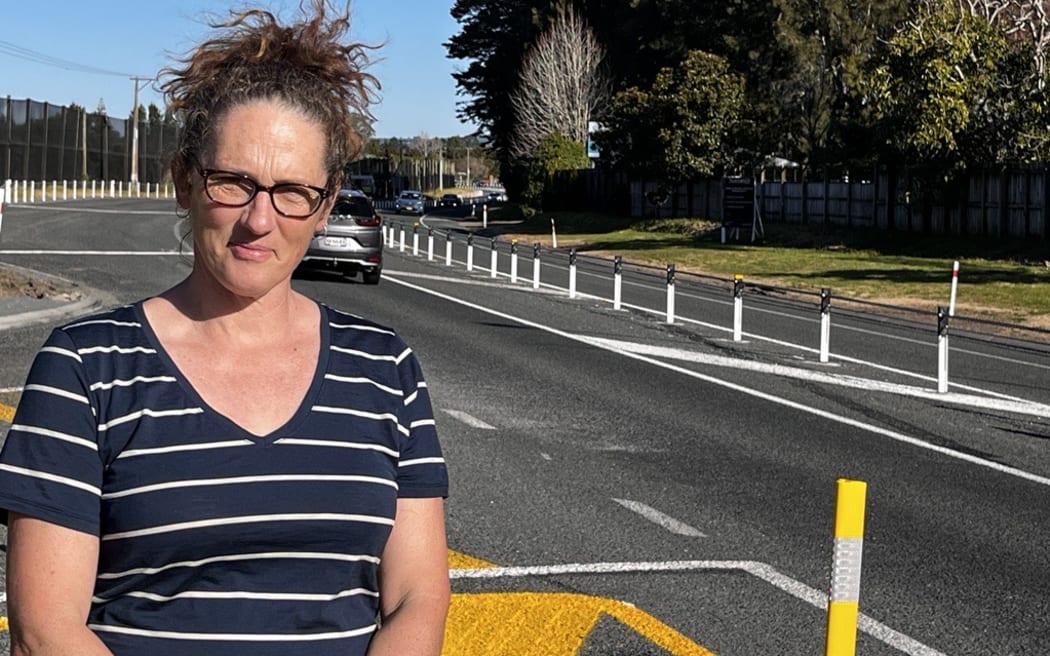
217, 469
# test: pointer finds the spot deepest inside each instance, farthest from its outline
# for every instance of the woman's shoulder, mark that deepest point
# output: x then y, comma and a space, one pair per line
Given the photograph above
346, 327
103, 324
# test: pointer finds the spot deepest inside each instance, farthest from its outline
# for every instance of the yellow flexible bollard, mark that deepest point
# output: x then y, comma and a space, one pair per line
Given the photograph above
844, 599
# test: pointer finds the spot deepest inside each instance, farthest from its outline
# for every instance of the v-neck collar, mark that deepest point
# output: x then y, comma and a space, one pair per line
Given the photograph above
222, 420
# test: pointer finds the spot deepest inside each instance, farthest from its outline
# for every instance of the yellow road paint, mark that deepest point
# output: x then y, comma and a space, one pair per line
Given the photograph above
3, 624
7, 413
546, 624
458, 560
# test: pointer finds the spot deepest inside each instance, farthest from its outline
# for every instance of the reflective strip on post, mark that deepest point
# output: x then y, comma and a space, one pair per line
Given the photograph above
844, 598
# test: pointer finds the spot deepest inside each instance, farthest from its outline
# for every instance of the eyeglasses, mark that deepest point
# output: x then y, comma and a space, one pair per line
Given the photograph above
296, 201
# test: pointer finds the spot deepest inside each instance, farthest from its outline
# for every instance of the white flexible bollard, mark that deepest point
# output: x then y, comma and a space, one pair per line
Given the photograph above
430, 244
32, 191
448, 249
670, 293
825, 325
738, 307
536, 265
942, 350
92, 189
401, 246
513, 261
572, 273
3, 195
415, 239
485, 216
554, 235
617, 282
470, 252
64, 190
112, 189
493, 259
54, 191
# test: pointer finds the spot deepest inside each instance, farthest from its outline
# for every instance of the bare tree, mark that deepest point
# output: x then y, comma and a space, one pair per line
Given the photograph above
1025, 20
560, 86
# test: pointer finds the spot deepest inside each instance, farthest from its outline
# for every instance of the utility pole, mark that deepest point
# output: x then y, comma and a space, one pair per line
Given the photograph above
135, 127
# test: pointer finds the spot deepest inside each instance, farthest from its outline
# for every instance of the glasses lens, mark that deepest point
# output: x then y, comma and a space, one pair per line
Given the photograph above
295, 200
229, 189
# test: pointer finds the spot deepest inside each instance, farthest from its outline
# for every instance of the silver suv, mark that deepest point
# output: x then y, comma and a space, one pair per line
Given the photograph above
351, 242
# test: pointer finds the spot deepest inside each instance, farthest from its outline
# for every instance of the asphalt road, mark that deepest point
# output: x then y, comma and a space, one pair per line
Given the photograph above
625, 486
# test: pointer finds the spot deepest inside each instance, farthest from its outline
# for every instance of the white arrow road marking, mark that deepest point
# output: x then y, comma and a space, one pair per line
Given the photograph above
660, 519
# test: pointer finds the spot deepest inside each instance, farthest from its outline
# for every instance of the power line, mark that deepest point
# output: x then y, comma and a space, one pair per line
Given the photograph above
8, 48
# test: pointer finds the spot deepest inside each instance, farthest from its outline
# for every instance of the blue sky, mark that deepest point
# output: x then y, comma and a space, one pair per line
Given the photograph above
137, 37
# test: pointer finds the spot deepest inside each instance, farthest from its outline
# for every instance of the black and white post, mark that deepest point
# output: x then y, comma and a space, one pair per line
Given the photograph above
430, 244
536, 265
493, 258
738, 307
572, 273
448, 249
825, 325
942, 350
670, 293
513, 261
617, 282
470, 252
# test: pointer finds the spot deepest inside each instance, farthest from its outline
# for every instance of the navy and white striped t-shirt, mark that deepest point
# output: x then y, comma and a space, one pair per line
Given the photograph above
215, 541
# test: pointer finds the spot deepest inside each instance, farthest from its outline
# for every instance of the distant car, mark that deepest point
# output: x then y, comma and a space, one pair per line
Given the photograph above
495, 197
409, 201
351, 242
449, 200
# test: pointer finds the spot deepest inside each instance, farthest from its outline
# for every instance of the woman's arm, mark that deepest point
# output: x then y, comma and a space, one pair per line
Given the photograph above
414, 589
50, 578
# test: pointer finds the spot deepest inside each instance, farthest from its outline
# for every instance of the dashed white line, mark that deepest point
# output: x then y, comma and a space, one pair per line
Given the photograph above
469, 420
660, 519
877, 630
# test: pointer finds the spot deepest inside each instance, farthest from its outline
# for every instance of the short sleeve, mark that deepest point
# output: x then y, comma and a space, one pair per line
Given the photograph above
50, 467
421, 468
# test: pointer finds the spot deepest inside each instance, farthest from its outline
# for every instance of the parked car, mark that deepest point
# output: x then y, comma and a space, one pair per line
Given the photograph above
409, 201
449, 200
351, 242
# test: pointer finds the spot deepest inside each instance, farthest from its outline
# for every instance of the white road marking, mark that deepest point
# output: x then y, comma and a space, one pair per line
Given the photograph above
877, 630
830, 416
469, 420
59, 252
93, 210
660, 519
969, 400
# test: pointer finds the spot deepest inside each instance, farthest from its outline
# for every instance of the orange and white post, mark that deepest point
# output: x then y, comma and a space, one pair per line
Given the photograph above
844, 599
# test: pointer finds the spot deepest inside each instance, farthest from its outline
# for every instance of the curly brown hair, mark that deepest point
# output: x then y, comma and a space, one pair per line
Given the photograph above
303, 65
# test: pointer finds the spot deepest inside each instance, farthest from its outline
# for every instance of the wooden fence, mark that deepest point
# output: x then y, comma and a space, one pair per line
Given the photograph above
992, 203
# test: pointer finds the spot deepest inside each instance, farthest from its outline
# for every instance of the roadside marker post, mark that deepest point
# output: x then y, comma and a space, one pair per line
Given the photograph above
32, 191
513, 261
825, 325
470, 252
448, 249
738, 307
955, 287
484, 216
670, 293
401, 246
415, 239
430, 244
844, 597
554, 235
942, 350
536, 265
3, 195
493, 258
572, 273
617, 281
64, 197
